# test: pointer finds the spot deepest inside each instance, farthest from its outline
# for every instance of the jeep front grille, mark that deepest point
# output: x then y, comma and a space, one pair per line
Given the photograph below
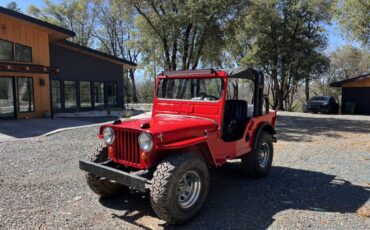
127, 149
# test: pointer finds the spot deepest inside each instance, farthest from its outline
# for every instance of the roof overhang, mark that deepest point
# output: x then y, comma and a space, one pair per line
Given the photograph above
55, 33
98, 54
340, 83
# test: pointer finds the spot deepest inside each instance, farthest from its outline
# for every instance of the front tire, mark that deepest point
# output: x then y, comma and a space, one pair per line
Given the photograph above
101, 186
179, 187
257, 164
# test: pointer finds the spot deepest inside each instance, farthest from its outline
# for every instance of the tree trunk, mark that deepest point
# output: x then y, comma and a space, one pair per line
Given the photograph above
280, 100
307, 88
275, 85
126, 92
282, 87
134, 94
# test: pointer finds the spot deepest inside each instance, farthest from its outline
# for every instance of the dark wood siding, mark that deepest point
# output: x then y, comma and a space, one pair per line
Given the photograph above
77, 66
358, 95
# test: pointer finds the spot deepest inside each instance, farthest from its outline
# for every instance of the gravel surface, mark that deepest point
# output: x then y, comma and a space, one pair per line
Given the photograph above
320, 178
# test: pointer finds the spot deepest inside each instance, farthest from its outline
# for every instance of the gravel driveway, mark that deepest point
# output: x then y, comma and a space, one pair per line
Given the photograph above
320, 178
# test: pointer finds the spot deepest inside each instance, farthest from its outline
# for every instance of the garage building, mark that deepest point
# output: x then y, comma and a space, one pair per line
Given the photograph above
355, 91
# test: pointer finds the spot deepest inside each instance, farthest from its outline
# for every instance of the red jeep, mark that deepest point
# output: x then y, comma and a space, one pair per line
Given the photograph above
198, 121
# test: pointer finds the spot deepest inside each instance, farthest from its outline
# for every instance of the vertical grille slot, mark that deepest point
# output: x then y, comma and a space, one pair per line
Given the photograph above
127, 146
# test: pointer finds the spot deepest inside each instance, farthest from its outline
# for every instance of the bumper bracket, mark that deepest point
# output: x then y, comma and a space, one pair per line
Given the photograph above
129, 179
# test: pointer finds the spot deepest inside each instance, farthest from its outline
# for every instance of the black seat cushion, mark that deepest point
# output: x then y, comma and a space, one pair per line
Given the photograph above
235, 119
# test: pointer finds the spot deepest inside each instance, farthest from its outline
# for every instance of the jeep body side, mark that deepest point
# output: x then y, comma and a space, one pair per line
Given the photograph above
190, 128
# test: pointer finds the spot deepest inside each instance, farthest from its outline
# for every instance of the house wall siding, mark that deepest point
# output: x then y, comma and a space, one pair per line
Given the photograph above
17, 31
359, 96
78, 66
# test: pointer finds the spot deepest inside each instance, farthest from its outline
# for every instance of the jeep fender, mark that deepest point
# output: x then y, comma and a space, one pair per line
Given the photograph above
184, 143
264, 126
197, 145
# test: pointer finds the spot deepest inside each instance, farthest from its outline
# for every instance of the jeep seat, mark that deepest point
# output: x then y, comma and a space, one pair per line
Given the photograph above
235, 119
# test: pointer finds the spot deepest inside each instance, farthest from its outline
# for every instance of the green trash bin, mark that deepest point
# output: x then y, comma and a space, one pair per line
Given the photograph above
349, 108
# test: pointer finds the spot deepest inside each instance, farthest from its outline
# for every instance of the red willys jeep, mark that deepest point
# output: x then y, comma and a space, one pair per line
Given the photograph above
198, 121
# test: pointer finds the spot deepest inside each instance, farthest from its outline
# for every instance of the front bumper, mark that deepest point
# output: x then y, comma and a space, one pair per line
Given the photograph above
129, 179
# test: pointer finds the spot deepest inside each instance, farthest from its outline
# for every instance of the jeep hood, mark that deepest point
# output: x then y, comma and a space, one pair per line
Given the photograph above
172, 127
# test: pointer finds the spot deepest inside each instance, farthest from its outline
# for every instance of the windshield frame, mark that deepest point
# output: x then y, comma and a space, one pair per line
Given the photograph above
222, 94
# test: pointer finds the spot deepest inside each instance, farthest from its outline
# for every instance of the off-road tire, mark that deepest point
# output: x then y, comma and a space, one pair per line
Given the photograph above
102, 187
163, 192
250, 165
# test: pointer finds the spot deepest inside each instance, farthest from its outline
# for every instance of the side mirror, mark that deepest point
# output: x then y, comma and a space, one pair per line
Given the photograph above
266, 104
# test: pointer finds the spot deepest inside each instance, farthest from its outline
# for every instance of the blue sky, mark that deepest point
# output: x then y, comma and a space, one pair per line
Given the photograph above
335, 38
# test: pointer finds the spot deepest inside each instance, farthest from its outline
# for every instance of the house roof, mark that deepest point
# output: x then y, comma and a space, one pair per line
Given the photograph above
96, 53
62, 33
340, 83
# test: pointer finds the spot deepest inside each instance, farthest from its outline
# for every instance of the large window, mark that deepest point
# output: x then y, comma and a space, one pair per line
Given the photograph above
99, 94
6, 51
19, 53
23, 53
70, 96
56, 94
111, 93
6, 97
25, 94
85, 94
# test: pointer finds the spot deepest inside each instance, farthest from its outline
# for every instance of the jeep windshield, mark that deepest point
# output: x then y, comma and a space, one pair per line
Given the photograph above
195, 89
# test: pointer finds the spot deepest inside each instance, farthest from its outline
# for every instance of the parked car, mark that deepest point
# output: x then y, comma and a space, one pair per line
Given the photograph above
194, 126
321, 104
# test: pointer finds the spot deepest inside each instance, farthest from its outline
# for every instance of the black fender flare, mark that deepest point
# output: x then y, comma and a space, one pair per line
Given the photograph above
264, 126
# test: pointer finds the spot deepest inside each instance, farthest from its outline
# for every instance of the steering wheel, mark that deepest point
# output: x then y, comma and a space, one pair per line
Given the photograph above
204, 95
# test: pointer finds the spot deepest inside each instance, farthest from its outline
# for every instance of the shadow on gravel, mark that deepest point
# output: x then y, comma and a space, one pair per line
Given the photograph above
238, 203
302, 129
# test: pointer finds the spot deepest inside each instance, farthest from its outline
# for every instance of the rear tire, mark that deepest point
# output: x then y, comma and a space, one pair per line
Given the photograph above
257, 164
101, 186
179, 187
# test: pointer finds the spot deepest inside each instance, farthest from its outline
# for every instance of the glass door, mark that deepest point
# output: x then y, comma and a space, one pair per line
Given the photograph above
7, 103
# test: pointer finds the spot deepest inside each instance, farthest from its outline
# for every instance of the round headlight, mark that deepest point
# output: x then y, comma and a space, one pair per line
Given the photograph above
108, 135
145, 142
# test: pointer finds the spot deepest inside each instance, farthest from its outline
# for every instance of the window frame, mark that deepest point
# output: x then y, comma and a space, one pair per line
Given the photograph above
31, 91
90, 94
15, 52
60, 95
94, 92
106, 93
75, 107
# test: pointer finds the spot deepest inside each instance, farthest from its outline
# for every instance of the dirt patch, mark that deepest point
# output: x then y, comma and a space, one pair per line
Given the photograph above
364, 211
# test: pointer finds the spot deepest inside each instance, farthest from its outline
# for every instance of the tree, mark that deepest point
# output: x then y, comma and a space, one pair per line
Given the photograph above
354, 17
13, 6
185, 33
76, 15
117, 33
348, 62
285, 39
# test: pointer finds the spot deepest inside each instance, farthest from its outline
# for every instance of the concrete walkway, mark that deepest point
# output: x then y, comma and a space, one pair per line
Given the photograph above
11, 130
19, 129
